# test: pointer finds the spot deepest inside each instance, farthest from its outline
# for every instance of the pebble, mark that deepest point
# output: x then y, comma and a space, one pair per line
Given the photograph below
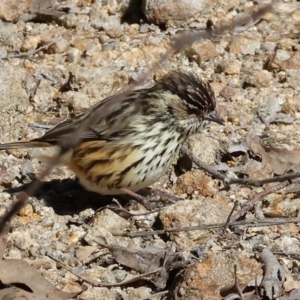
21, 239
96, 55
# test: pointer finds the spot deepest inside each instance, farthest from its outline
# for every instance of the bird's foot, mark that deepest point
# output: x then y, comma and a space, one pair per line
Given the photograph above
154, 200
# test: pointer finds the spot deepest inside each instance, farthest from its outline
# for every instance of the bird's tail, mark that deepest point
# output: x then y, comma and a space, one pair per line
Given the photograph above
30, 144
44, 155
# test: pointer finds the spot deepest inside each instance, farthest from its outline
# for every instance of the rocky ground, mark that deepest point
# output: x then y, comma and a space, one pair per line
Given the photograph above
59, 58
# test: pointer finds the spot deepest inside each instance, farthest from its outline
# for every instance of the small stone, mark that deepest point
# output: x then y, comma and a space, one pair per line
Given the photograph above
60, 46
10, 10
286, 60
58, 246
244, 45
30, 43
232, 67
73, 55
21, 240
69, 20
194, 181
97, 81
81, 44
203, 51
204, 147
154, 40
192, 213
145, 221
205, 280
144, 28
85, 215
10, 36
47, 221
293, 78
173, 12
75, 237
93, 49
44, 95
296, 15
78, 101
286, 243
262, 78
268, 46
27, 168
26, 211
14, 254
227, 92
282, 208
3, 52
72, 287
101, 273
98, 232
110, 221
112, 26
283, 55
139, 293
96, 293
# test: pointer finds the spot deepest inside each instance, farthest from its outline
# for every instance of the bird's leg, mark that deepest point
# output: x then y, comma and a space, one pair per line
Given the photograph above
143, 200
155, 196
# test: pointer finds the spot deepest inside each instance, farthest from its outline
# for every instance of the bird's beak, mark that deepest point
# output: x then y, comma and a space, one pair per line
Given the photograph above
213, 118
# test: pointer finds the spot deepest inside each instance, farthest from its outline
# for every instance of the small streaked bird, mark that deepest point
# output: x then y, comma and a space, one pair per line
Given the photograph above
137, 142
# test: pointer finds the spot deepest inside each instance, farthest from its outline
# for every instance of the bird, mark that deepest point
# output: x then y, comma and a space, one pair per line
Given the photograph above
137, 141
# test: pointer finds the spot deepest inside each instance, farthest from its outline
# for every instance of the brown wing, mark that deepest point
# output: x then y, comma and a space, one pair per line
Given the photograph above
100, 130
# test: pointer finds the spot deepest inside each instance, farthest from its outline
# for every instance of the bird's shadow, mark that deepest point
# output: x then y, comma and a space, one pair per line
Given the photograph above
67, 196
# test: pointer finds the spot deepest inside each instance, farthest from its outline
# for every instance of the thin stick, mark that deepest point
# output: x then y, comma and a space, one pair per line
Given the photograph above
251, 203
230, 180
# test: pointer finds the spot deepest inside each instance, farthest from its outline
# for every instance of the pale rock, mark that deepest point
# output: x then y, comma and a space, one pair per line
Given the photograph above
244, 45
78, 101
206, 279
60, 46
21, 240
203, 51
96, 293
10, 36
30, 43
193, 213
110, 221
203, 147
174, 12
10, 10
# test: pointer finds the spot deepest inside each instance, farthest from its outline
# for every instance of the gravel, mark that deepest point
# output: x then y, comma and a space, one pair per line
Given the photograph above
92, 52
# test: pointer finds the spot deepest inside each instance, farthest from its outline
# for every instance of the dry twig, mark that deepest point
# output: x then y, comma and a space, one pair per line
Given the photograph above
237, 224
31, 52
251, 203
103, 284
230, 180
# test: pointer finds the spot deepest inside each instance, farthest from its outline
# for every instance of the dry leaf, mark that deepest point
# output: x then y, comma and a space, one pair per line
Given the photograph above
142, 260
14, 293
15, 271
279, 160
146, 260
